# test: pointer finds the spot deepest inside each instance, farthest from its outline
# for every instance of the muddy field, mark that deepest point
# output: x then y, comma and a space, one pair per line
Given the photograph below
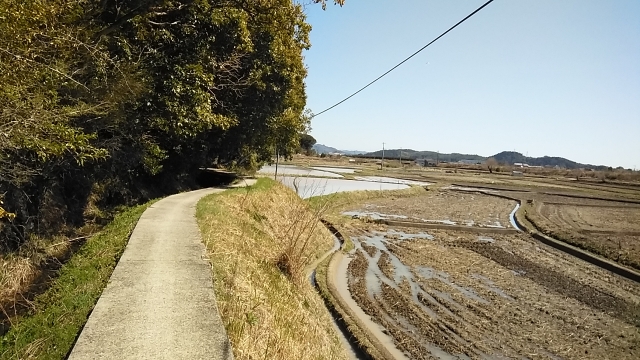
604, 218
458, 295
608, 228
441, 206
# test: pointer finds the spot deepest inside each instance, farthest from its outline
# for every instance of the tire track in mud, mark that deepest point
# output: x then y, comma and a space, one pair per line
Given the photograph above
383, 347
426, 322
421, 323
425, 319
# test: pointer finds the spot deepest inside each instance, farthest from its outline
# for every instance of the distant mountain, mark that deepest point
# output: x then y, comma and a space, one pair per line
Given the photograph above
352, 152
510, 157
323, 149
505, 157
413, 154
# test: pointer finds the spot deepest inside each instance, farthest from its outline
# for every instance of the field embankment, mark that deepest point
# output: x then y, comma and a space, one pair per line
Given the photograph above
45, 326
259, 240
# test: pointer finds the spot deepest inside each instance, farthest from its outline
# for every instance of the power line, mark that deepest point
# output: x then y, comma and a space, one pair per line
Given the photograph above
405, 60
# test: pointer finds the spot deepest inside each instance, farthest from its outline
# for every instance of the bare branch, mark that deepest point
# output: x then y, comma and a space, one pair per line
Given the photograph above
44, 65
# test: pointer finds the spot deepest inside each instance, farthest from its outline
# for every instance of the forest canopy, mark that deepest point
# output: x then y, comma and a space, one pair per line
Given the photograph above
101, 100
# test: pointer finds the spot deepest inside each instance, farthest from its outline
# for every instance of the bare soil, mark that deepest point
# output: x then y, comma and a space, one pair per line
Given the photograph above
460, 295
607, 228
461, 208
594, 218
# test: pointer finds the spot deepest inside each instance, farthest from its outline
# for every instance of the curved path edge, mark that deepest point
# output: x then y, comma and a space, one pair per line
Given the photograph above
348, 309
337, 284
159, 302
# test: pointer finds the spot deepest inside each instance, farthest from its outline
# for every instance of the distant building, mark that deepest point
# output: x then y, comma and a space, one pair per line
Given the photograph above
523, 165
469, 162
425, 162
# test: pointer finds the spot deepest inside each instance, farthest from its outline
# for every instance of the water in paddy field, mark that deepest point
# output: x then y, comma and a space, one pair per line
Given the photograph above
373, 215
335, 169
390, 180
380, 216
309, 187
296, 171
412, 276
512, 217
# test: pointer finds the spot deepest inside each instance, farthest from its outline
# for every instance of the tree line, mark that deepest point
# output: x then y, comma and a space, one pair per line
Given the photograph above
106, 102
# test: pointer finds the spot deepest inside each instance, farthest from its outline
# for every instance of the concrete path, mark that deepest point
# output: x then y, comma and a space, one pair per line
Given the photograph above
159, 303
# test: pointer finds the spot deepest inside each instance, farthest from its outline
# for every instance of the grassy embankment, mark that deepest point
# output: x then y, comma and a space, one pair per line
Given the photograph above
259, 240
55, 317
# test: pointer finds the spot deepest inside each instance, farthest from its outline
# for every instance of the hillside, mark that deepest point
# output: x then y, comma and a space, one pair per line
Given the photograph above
323, 149
413, 154
510, 157
505, 157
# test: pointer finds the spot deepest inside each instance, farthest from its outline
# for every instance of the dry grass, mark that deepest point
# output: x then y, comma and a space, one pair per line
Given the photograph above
16, 274
20, 270
259, 241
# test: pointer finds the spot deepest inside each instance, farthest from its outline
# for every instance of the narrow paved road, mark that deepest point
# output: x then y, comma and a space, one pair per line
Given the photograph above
159, 303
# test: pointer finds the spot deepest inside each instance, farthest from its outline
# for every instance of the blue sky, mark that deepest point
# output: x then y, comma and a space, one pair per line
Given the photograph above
543, 77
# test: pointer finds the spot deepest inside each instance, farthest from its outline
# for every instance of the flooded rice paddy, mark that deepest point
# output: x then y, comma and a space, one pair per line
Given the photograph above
292, 170
390, 180
339, 170
309, 187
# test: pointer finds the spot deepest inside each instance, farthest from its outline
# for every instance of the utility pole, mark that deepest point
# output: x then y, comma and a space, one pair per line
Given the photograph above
275, 176
382, 161
401, 159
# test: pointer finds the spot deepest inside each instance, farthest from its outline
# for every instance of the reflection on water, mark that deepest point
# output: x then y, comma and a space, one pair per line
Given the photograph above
335, 169
373, 215
401, 235
512, 217
486, 239
309, 187
446, 222
390, 180
441, 296
491, 286
430, 273
375, 277
296, 171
